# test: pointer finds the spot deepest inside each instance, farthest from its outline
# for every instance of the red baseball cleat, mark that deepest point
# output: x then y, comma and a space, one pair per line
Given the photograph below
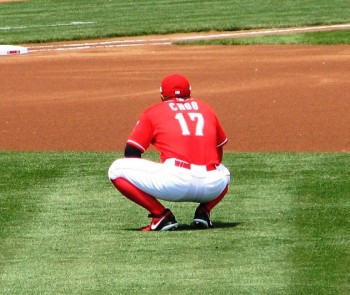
162, 222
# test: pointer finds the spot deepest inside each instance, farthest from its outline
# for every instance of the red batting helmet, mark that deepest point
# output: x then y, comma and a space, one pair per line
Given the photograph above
175, 86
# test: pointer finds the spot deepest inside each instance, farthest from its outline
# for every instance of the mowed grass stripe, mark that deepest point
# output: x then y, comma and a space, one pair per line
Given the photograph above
321, 252
281, 230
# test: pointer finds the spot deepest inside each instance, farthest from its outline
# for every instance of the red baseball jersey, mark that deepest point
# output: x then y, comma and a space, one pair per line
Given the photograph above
188, 130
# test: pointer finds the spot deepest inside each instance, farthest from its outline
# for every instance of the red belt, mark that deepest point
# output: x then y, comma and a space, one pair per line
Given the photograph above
178, 163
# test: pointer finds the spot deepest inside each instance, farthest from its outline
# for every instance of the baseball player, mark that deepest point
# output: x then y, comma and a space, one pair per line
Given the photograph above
190, 139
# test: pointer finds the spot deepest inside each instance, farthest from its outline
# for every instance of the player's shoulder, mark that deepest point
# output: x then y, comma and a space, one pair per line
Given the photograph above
204, 105
201, 102
154, 107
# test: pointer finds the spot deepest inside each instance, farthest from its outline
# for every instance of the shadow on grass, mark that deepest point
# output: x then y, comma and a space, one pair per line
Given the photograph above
216, 225
189, 227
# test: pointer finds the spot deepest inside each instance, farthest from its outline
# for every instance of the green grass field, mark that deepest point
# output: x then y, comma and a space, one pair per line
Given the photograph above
282, 229
45, 20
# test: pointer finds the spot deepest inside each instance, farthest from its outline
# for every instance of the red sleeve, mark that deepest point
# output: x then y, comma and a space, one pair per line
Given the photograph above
142, 134
221, 135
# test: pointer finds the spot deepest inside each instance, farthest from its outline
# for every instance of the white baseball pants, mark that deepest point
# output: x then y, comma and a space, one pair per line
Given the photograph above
168, 182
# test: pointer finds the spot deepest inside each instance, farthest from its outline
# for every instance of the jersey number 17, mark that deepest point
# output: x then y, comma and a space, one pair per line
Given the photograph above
187, 119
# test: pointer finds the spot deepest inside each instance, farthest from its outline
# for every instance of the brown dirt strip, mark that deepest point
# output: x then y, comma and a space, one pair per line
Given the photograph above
269, 98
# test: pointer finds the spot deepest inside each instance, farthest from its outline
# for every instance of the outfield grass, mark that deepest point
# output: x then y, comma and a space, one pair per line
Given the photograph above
282, 229
45, 20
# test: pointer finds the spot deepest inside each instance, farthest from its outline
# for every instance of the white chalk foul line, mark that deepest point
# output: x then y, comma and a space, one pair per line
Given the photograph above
170, 40
45, 26
265, 32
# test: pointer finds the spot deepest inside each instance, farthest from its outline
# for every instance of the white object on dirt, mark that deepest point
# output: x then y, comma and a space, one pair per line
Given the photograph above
12, 49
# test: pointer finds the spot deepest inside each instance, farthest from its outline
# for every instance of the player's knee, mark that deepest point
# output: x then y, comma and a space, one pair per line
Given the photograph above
115, 170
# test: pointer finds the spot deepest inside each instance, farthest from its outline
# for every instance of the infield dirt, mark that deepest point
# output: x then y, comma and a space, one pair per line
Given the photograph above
269, 98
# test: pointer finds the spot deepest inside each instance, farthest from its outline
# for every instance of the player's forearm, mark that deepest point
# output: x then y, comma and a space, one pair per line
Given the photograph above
132, 152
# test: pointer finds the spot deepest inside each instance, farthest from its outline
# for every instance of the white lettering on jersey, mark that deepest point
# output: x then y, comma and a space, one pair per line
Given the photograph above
187, 106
